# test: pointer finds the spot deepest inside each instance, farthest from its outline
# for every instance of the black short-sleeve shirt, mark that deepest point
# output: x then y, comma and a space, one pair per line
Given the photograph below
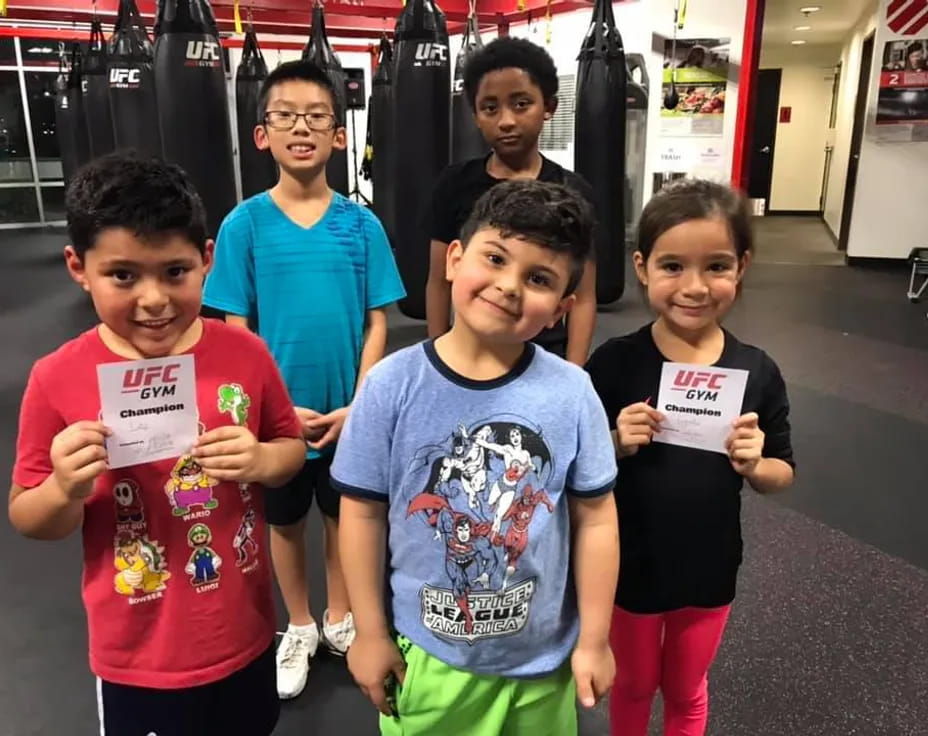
680, 508
456, 192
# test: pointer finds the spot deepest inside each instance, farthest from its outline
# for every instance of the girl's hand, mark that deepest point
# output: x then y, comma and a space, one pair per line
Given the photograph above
745, 444
636, 426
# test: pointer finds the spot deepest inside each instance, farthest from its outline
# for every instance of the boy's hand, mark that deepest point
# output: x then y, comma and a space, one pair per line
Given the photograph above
636, 426
371, 660
330, 425
310, 434
594, 671
229, 453
78, 456
745, 444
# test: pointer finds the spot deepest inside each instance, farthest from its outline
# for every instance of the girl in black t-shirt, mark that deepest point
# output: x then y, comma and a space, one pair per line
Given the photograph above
679, 508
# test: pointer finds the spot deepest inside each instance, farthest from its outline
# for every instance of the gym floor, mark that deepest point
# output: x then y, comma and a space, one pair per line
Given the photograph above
829, 634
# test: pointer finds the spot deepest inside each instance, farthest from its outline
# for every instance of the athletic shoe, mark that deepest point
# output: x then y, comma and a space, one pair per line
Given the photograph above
296, 648
338, 637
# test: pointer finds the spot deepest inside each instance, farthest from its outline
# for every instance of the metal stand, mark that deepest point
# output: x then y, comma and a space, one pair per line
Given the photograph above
919, 258
355, 193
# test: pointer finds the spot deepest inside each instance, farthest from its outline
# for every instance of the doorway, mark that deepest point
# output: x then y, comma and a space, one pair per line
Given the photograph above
857, 138
764, 138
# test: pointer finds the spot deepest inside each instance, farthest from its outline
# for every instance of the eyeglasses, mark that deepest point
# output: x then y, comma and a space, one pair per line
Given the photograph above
286, 120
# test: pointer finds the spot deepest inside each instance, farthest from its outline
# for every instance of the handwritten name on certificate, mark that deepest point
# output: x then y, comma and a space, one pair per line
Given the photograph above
151, 408
699, 404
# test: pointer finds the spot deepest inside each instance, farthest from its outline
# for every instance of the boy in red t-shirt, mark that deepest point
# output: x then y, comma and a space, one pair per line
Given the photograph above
176, 580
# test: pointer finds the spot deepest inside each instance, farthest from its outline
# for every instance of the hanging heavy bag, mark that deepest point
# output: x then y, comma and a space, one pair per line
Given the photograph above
421, 131
319, 51
599, 143
258, 168
380, 120
97, 93
69, 117
193, 109
466, 139
131, 81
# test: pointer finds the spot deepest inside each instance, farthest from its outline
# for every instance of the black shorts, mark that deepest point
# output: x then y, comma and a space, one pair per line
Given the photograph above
290, 503
243, 704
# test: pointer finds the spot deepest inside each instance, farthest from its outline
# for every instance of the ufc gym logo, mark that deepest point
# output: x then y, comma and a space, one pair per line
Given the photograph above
907, 17
202, 53
690, 381
432, 54
140, 380
124, 78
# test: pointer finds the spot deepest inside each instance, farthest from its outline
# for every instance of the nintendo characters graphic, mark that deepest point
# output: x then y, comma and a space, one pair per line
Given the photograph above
140, 565
234, 401
127, 497
481, 490
189, 486
203, 565
244, 544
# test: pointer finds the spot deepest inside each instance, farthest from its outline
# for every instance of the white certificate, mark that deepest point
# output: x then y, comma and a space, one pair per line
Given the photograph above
699, 404
151, 408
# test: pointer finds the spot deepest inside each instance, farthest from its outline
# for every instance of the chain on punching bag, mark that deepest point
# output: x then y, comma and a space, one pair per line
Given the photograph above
636, 131
319, 51
97, 94
380, 120
421, 131
466, 139
599, 143
258, 168
131, 78
69, 117
193, 109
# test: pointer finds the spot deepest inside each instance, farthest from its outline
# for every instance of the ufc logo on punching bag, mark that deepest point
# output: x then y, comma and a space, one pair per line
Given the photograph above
202, 53
124, 77
433, 54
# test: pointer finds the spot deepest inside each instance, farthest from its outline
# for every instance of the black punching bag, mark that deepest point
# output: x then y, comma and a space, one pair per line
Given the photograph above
258, 169
69, 118
97, 94
466, 140
421, 134
599, 143
193, 109
319, 51
133, 101
380, 120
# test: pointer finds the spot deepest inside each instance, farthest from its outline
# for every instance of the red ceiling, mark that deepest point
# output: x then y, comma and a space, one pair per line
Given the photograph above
364, 19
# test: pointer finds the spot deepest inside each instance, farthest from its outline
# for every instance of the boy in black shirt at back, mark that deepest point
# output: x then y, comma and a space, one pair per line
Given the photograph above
512, 86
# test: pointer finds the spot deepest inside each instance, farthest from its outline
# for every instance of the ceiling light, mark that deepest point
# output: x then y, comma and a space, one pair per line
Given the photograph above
797, 42
810, 9
802, 28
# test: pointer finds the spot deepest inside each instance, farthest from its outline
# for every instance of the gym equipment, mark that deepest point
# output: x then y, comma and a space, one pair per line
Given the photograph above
131, 77
380, 122
193, 110
466, 140
97, 93
69, 116
599, 143
258, 168
636, 133
919, 259
319, 51
421, 136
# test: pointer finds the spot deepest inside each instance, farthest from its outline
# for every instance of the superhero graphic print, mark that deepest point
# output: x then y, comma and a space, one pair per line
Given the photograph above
481, 489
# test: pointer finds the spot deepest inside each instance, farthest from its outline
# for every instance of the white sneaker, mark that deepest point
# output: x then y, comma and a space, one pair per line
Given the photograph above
338, 637
296, 648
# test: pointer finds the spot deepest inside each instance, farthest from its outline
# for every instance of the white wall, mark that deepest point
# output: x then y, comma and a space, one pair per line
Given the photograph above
799, 155
889, 210
847, 95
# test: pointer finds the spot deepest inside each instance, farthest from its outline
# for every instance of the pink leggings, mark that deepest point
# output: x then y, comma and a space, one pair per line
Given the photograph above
671, 651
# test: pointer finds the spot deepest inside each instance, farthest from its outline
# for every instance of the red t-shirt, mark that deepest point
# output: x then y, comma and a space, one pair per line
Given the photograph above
176, 582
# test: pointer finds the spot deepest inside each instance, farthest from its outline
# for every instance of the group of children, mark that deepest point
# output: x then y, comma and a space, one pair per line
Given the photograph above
471, 533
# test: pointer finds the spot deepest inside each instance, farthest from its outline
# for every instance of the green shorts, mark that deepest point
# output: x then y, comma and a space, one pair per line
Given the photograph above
439, 699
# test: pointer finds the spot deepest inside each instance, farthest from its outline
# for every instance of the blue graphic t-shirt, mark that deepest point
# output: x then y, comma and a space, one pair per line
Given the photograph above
309, 289
476, 475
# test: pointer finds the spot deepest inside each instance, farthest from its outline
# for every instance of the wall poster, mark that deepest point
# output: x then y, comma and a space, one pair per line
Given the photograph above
699, 72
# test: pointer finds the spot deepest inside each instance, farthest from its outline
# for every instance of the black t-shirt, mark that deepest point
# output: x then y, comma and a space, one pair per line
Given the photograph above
679, 508
456, 192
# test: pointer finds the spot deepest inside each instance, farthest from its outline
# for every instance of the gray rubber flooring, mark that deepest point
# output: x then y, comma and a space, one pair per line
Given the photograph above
829, 634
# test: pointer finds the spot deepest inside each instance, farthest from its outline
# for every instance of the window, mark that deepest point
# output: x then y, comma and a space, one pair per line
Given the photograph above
558, 133
15, 165
53, 203
7, 52
42, 51
18, 204
40, 93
